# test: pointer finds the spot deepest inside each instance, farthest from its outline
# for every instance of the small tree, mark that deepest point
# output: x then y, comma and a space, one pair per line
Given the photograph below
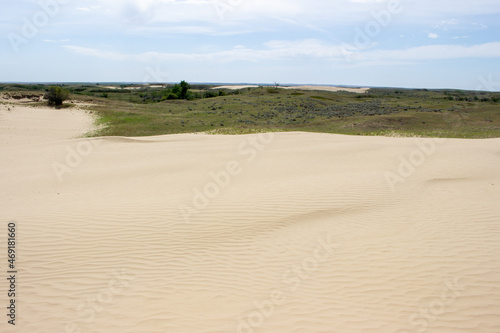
184, 89
56, 95
178, 91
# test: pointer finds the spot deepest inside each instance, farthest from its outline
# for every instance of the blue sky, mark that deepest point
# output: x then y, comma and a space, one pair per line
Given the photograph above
397, 43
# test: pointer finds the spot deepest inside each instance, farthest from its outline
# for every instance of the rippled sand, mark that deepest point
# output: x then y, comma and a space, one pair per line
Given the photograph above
290, 232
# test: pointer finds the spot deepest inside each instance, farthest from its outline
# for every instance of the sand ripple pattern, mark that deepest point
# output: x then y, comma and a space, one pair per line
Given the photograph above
107, 248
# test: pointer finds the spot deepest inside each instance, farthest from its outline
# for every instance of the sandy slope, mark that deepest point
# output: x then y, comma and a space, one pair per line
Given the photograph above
298, 233
22, 124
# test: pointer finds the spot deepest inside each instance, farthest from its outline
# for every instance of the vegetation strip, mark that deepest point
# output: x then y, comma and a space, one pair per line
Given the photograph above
143, 110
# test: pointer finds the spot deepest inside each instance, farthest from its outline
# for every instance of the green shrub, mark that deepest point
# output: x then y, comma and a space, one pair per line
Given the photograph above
56, 95
210, 94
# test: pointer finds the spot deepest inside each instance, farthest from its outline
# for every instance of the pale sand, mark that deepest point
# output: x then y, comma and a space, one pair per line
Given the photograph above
318, 88
328, 88
235, 87
309, 218
21, 124
136, 87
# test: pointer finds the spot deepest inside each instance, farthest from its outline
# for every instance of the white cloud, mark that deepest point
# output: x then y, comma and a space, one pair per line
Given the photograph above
262, 15
88, 9
479, 26
55, 41
322, 13
444, 23
367, 1
274, 50
433, 35
311, 48
439, 52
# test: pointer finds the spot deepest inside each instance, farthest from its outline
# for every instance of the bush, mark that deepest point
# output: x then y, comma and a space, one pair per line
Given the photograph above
210, 94
184, 89
178, 91
56, 95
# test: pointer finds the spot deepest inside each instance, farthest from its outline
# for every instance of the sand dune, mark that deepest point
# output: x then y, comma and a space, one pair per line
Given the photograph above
330, 88
142, 86
22, 124
291, 232
237, 86
303, 87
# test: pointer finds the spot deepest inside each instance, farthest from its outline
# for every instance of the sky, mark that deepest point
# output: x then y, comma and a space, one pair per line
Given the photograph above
386, 43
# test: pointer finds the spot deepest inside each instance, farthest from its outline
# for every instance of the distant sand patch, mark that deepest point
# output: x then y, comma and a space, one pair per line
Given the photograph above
143, 86
236, 87
319, 88
329, 88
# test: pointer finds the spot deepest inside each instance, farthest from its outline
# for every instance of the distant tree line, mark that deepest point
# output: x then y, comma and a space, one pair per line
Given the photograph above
494, 99
181, 91
57, 94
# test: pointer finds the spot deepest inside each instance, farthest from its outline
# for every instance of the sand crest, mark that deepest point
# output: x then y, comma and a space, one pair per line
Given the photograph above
288, 232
